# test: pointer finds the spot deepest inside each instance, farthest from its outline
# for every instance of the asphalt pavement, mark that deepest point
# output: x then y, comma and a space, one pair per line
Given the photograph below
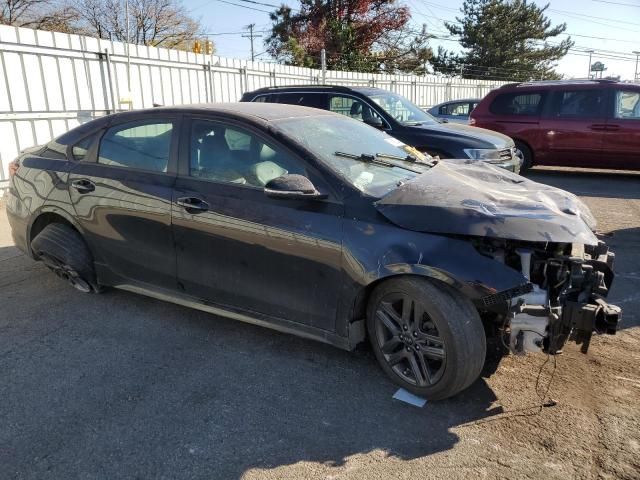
118, 385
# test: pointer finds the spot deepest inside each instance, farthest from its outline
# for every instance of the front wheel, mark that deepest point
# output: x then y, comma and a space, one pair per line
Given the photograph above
428, 338
525, 155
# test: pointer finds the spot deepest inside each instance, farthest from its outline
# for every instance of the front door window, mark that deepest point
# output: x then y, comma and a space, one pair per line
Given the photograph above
229, 154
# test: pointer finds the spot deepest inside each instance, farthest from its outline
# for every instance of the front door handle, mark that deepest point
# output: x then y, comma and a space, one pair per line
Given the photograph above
612, 128
193, 204
83, 185
598, 126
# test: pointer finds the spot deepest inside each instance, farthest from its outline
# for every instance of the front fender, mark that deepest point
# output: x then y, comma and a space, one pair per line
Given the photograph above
392, 251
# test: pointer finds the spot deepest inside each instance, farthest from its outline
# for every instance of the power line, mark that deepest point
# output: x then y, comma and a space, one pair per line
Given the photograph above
600, 38
260, 3
443, 20
618, 3
214, 34
241, 6
615, 20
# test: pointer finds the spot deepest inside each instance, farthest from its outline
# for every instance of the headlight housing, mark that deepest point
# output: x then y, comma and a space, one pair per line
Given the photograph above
483, 153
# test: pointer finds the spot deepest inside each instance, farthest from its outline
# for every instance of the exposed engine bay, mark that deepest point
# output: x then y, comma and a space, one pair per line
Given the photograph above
564, 299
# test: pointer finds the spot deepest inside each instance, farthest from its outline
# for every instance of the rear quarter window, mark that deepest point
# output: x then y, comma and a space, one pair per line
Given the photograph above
517, 103
627, 105
54, 150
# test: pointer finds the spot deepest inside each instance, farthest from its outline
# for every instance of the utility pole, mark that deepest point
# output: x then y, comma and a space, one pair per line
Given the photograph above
589, 70
251, 36
323, 63
635, 75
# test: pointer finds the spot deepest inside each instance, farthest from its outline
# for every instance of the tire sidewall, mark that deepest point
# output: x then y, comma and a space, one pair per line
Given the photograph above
527, 156
79, 259
443, 388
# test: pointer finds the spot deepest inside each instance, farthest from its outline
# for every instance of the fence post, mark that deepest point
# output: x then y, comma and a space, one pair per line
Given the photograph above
213, 93
113, 94
206, 67
244, 79
414, 90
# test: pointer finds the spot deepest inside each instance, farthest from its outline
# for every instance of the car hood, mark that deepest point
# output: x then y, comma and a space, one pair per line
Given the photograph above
478, 199
498, 140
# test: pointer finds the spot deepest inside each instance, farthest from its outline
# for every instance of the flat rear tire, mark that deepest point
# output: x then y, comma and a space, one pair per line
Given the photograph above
64, 252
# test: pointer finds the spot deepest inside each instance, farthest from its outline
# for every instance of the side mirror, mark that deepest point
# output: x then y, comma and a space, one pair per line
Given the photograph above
293, 187
374, 122
444, 120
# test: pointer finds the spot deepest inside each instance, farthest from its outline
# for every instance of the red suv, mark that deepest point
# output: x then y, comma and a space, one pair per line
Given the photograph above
592, 123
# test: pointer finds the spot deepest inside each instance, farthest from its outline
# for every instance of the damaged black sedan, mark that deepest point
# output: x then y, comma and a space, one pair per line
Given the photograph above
316, 224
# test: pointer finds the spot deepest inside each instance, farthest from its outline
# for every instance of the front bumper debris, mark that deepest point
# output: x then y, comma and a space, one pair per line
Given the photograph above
569, 306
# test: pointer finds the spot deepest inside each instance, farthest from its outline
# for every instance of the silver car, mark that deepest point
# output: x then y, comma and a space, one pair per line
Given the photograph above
456, 111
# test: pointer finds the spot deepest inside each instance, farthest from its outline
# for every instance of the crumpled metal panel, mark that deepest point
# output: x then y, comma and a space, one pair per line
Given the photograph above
474, 198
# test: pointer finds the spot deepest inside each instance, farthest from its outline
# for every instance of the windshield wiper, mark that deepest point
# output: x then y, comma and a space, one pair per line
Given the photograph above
406, 158
410, 158
368, 158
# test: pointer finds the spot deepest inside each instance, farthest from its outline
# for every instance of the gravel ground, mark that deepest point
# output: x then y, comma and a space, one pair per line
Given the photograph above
123, 386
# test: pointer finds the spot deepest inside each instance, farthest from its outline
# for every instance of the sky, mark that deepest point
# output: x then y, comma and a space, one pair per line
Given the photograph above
609, 27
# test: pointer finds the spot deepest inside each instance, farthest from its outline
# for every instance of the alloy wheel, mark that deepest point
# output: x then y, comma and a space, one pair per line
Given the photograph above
65, 272
409, 340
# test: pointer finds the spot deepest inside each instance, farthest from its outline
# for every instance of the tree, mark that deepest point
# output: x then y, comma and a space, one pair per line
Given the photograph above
40, 14
504, 39
358, 35
164, 23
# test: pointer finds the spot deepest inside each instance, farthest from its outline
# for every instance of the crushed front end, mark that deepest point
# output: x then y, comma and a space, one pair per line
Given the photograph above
563, 300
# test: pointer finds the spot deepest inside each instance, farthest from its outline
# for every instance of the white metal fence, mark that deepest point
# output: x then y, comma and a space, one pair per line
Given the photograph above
50, 82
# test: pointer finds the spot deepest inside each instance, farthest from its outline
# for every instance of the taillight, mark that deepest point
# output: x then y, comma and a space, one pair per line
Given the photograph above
13, 167
472, 121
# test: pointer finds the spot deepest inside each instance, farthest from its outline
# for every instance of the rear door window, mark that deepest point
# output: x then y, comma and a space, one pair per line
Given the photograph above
305, 99
459, 109
139, 145
352, 107
518, 103
585, 103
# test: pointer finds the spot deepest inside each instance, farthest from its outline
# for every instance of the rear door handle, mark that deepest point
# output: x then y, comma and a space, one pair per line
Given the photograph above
83, 185
612, 128
193, 204
598, 126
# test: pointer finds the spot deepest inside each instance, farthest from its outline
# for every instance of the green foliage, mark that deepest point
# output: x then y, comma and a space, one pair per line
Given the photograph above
505, 40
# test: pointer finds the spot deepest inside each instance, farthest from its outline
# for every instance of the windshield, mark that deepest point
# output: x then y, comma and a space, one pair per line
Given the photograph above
402, 109
330, 134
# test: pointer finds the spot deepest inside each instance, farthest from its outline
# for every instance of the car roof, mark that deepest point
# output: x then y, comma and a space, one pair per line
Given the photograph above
318, 88
458, 100
249, 110
260, 113
541, 84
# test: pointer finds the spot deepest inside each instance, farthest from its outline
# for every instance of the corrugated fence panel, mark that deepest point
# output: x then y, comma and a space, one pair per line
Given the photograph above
51, 82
